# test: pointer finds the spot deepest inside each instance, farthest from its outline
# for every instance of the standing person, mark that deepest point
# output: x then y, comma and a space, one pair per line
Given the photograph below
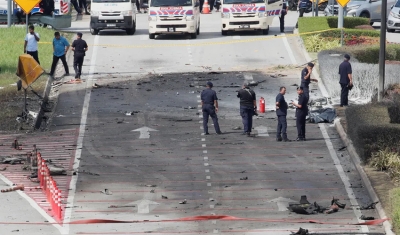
209, 104
60, 48
201, 5
346, 80
79, 46
83, 5
282, 17
248, 107
302, 7
281, 113
301, 113
306, 78
211, 3
31, 43
138, 6
76, 6
217, 5
47, 6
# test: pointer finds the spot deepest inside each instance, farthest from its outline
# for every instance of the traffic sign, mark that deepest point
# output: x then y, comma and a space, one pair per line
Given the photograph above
343, 3
27, 5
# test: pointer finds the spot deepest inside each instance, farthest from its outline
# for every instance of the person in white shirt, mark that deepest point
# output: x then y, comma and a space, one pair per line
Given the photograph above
31, 43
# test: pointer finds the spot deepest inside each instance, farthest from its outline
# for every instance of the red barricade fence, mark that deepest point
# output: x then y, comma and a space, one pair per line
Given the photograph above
49, 187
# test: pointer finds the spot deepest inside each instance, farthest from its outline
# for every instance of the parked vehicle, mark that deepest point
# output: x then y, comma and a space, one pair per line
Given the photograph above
393, 22
249, 15
174, 17
113, 14
361, 8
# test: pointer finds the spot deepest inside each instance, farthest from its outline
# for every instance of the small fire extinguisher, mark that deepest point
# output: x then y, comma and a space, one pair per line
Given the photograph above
262, 105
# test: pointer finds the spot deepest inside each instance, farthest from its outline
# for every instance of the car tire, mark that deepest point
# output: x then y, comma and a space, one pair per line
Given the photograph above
152, 36
390, 30
224, 32
131, 31
193, 35
94, 31
265, 31
364, 15
198, 29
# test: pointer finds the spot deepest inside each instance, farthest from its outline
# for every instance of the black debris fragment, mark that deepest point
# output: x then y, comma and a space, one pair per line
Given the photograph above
363, 217
302, 231
244, 178
369, 207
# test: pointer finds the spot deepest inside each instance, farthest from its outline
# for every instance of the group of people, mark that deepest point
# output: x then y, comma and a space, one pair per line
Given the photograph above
60, 49
248, 104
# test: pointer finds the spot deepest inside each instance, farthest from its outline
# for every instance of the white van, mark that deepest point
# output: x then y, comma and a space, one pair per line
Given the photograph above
112, 14
249, 15
174, 17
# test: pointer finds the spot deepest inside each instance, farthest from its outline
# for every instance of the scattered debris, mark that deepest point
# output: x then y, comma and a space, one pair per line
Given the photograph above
318, 102
88, 173
342, 148
237, 128
302, 231
12, 160
190, 107
19, 187
3, 169
164, 197
294, 85
106, 192
16, 145
96, 85
151, 185
304, 207
336, 202
115, 206
215, 72
131, 113
363, 217
183, 202
334, 208
243, 171
244, 178
369, 207
152, 191
74, 81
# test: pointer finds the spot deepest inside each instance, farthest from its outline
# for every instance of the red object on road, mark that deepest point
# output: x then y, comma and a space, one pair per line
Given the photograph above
262, 105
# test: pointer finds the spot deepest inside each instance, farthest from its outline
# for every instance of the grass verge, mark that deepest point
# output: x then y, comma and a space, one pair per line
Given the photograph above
394, 195
11, 47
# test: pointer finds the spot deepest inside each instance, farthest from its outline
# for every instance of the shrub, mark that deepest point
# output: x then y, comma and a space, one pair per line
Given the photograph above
371, 129
312, 24
370, 54
314, 43
336, 33
387, 160
394, 196
348, 22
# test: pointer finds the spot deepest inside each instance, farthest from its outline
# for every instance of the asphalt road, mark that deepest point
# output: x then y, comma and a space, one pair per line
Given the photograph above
159, 81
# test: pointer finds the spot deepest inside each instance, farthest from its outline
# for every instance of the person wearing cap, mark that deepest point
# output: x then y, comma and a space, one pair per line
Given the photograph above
301, 114
79, 46
60, 48
209, 104
281, 113
346, 80
306, 78
248, 107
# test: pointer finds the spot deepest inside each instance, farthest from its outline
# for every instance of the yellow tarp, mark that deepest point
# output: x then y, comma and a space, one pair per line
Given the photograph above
28, 70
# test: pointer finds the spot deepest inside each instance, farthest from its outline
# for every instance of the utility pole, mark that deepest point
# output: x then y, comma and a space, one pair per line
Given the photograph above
340, 23
316, 8
312, 8
9, 13
382, 51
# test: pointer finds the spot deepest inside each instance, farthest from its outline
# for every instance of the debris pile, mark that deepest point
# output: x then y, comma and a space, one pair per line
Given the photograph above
304, 207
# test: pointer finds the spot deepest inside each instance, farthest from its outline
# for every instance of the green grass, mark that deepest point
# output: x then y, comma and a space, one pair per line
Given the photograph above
395, 208
312, 24
11, 47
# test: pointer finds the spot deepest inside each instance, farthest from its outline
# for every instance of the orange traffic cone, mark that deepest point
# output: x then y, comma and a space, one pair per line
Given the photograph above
206, 7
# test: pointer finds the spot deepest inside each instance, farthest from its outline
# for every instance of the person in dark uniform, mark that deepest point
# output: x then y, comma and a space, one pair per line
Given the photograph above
83, 5
306, 78
346, 80
281, 113
282, 17
302, 7
211, 3
79, 46
138, 6
217, 5
201, 5
248, 107
76, 6
209, 104
301, 113
47, 6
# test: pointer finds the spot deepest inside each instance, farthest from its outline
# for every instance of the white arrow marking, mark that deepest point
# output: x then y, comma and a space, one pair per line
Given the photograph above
282, 203
144, 132
144, 205
262, 130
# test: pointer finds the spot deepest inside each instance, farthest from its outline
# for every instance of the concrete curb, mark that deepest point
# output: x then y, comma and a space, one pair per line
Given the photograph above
352, 152
357, 163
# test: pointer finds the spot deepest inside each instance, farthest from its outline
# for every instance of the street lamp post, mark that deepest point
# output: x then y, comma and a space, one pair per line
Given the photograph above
382, 51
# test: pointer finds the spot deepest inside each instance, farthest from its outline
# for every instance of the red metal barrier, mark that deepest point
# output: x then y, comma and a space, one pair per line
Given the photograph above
49, 187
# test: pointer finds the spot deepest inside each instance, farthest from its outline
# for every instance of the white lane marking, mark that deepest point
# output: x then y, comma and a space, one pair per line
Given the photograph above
205, 158
199, 101
342, 174
208, 177
35, 206
199, 105
211, 206
204, 151
207, 170
144, 132
144, 205
200, 116
209, 184
198, 95
206, 164
262, 131
289, 50
248, 76
79, 144
203, 145
203, 139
